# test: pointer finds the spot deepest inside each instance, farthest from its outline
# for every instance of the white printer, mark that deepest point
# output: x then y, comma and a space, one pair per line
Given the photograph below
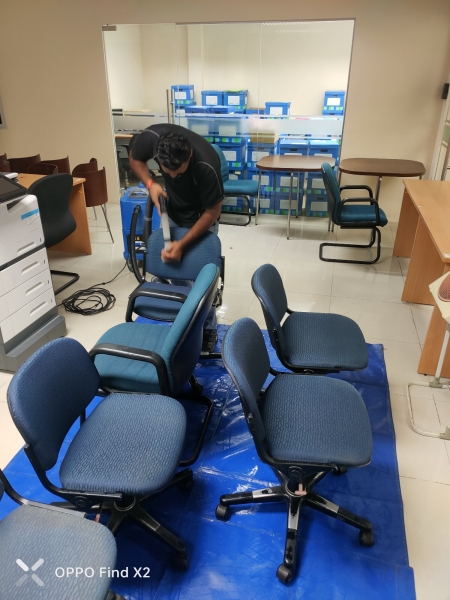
28, 314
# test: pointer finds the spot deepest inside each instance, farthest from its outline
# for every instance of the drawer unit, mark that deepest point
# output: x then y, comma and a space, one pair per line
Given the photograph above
27, 315
17, 244
25, 293
22, 271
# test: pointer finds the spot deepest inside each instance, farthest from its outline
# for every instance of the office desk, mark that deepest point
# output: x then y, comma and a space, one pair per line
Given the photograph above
289, 164
78, 242
381, 167
423, 234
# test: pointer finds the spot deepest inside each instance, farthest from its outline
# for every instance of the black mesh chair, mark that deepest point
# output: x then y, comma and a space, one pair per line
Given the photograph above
53, 194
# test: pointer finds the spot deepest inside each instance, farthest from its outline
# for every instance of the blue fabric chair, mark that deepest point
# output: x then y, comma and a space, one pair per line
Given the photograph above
149, 358
44, 538
352, 213
307, 342
303, 427
244, 188
126, 450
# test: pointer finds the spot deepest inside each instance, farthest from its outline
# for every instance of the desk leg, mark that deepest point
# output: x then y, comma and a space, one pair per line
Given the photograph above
424, 267
407, 226
298, 196
429, 359
78, 242
290, 205
258, 198
377, 191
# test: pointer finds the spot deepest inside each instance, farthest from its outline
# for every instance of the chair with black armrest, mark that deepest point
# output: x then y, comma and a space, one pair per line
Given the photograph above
42, 168
352, 213
20, 165
37, 539
5, 167
53, 195
244, 188
304, 427
125, 451
95, 189
175, 349
62, 164
307, 342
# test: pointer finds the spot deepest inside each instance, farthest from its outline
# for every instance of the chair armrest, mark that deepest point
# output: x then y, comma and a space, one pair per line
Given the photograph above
358, 187
360, 201
153, 293
137, 354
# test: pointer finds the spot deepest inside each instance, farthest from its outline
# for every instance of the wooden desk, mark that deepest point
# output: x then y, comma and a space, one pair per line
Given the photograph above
424, 235
290, 164
381, 167
78, 242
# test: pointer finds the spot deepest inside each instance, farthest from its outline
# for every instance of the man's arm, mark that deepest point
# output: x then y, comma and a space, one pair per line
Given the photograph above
208, 218
154, 189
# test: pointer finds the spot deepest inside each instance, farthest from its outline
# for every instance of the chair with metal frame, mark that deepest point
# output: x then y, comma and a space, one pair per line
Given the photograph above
304, 427
352, 213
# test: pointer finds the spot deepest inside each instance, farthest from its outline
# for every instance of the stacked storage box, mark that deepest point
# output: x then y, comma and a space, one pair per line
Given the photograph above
234, 148
233, 203
333, 103
236, 99
257, 149
212, 98
183, 95
298, 147
277, 108
316, 198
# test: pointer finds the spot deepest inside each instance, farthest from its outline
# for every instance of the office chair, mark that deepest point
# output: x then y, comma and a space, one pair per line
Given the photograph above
173, 351
204, 250
20, 165
92, 165
243, 188
307, 342
53, 195
126, 450
5, 167
42, 169
36, 539
352, 213
303, 427
62, 164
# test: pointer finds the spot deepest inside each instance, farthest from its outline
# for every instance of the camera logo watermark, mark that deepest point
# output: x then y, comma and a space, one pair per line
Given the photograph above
26, 568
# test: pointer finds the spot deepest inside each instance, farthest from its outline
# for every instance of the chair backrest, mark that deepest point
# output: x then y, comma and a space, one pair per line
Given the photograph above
48, 393
332, 188
20, 165
183, 344
204, 250
53, 195
245, 357
3, 156
269, 289
92, 165
62, 164
43, 169
95, 190
224, 170
5, 167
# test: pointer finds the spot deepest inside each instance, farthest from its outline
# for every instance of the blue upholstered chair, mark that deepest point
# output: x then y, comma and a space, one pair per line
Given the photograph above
244, 188
162, 301
126, 450
160, 359
36, 539
352, 213
304, 427
307, 342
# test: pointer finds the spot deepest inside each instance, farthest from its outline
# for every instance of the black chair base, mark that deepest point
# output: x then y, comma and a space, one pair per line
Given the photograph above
286, 570
376, 234
197, 396
245, 213
74, 277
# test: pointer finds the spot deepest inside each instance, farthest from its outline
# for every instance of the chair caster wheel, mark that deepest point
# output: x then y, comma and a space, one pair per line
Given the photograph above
180, 562
223, 513
366, 538
285, 574
339, 471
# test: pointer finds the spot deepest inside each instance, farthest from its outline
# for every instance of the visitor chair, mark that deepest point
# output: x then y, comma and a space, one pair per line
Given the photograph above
42, 168
169, 354
246, 188
92, 165
20, 165
5, 167
352, 213
53, 196
3, 157
126, 450
304, 427
62, 164
307, 342
37, 539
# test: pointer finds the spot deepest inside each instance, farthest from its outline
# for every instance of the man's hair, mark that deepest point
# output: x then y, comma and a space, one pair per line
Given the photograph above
173, 150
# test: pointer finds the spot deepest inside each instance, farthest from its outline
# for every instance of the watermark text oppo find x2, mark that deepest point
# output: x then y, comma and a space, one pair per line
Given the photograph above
89, 572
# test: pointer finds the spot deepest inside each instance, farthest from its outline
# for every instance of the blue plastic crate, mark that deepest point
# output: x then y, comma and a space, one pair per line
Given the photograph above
277, 108
234, 153
316, 205
235, 98
184, 103
128, 202
193, 109
236, 203
267, 179
203, 125
282, 204
333, 103
228, 126
257, 151
254, 111
282, 182
238, 174
212, 97
292, 145
183, 92
235, 140
267, 203
315, 184
326, 147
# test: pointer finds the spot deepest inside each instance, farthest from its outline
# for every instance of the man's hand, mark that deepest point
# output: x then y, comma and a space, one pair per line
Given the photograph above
173, 253
155, 192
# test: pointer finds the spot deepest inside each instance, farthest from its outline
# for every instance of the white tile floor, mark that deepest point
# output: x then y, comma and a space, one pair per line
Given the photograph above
368, 294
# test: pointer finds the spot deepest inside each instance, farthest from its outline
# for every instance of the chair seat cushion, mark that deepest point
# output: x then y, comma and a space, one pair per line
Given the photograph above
131, 443
246, 187
361, 213
163, 310
324, 340
61, 539
316, 419
131, 375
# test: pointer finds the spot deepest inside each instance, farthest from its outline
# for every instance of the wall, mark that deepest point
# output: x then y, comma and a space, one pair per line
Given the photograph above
54, 91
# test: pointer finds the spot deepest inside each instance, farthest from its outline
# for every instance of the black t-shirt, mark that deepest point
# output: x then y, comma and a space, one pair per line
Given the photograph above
199, 187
